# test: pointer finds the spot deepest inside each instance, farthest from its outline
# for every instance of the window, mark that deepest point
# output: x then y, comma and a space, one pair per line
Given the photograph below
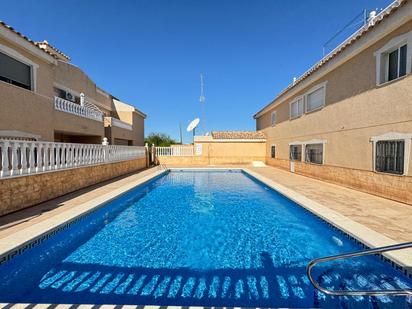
296, 108
390, 156
273, 119
393, 60
314, 153
295, 152
397, 63
15, 72
315, 99
273, 151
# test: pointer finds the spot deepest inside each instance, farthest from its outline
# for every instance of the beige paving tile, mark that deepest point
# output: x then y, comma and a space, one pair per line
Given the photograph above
387, 217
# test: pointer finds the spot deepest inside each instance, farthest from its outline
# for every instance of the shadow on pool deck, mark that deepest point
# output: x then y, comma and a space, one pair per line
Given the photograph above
267, 286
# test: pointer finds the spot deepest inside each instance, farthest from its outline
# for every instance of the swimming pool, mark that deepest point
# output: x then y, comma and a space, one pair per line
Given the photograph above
207, 238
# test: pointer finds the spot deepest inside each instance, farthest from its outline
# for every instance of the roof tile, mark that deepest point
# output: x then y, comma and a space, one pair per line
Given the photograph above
238, 135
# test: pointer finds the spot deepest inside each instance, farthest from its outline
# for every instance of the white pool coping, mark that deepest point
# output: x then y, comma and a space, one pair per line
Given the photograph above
363, 234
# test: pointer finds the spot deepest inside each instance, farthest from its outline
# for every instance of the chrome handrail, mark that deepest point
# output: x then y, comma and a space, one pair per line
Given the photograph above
399, 292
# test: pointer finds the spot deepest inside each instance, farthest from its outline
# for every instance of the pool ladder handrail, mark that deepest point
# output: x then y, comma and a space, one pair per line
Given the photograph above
398, 292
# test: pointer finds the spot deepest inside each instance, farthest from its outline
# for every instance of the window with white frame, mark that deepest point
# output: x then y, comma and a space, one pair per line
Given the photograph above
314, 153
296, 108
391, 152
15, 72
389, 156
393, 60
295, 152
396, 66
273, 119
315, 99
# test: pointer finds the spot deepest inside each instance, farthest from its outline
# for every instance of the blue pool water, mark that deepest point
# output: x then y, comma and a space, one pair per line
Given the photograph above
197, 238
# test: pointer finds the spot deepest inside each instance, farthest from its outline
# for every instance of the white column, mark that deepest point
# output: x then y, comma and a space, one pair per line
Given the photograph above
39, 158
81, 154
46, 157
75, 156
58, 164
70, 155
63, 156
4, 159
23, 153
52, 147
14, 159
32, 167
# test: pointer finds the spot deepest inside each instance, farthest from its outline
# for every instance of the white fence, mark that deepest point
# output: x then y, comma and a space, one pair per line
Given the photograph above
175, 151
27, 157
77, 109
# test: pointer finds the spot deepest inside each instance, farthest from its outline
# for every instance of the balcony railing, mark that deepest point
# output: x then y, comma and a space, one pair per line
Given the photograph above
77, 109
175, 151
119, 123
30, 157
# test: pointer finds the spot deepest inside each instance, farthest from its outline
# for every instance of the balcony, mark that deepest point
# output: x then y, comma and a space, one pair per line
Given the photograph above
87, 110
114, 122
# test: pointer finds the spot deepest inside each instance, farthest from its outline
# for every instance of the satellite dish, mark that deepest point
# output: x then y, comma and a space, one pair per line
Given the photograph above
192, 126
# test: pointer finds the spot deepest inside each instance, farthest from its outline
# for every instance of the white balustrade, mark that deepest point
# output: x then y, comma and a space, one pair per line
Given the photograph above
77, 109
27, 157
176, 151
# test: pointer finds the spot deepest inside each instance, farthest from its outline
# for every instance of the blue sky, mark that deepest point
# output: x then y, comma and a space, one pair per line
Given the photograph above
149, 53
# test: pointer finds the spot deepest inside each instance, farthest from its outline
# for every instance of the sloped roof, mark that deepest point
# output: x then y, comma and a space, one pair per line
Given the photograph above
45, 45
238, 135
339, 49
37, 44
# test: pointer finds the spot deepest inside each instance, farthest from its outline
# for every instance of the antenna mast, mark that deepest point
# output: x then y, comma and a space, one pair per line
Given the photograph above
202, 100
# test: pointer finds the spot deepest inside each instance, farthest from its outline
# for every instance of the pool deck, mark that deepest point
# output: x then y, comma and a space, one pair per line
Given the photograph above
375, 217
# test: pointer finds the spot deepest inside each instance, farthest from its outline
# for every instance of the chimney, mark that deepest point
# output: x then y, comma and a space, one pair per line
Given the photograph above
371, 18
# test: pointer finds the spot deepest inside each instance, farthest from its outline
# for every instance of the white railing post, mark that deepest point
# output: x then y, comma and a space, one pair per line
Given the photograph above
23, 154
32, 168
52, 156
63, 156
5, 158
46, 157
82, 155
70, 150
14, 159
58, 163
90, 160
38, 157
77, 155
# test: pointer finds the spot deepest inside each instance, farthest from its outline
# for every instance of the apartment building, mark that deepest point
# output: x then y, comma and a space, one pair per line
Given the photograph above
348, 119
45, 97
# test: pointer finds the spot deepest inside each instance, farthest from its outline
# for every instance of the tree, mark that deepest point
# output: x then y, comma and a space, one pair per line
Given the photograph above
159, 139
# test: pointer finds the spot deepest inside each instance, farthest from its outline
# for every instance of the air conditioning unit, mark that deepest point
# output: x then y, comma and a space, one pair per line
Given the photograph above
70, 97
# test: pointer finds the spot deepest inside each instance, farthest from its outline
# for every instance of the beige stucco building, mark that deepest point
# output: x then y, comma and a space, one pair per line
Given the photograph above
348, 119
45, 97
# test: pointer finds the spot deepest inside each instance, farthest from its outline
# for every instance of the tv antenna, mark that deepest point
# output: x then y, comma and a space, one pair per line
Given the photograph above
202, 100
